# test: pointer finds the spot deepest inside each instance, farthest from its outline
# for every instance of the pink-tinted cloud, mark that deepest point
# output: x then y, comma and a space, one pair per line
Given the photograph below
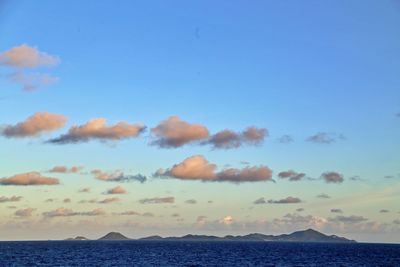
332, 177
32, 82
198, 168
10, 199
247, 174
174, 132
228, 139
29, 178
192, 168
288, 200
291, 175
24, 56
157, 200
225, 139
63, 212
116, 190
35, 125
97, 129
227, 220
24, 212
65, 169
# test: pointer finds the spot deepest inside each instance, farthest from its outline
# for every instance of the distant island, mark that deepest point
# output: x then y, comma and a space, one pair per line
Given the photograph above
308, 235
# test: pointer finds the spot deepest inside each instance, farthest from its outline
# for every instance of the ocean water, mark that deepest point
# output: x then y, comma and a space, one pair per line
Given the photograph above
155, 253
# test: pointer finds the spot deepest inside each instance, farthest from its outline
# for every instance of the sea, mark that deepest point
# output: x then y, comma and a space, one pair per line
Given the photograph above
186, 253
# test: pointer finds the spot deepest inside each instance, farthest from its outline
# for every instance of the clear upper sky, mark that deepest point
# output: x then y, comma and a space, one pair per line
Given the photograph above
180, 83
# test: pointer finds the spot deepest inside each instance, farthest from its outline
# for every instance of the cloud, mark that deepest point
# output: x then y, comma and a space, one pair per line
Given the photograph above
10, 199
91, 201
173, 133
24, 212
247, 174
336, 211
63, 212
285, 139
191, 201
332, 177
97, 129
157, 200
24, 56
291, 175
323, 196
64, 169
35, 125
384, 211
325, 138
261, 200
109, 200
126, 213
201, 219
356, 178
32, 82
300, 209
117, 176
29, 178
67, 200
84, 190
349, 219
288, 200
228, 139
198, 168
133, 213
192, 168
116, 190
227, 220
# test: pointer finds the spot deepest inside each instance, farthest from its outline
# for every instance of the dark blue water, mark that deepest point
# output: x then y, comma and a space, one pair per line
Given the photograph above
140, 253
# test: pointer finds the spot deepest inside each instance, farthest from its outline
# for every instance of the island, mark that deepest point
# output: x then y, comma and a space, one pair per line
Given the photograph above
309, 235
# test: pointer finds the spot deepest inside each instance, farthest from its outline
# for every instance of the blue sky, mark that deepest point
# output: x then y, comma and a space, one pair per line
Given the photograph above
293, 68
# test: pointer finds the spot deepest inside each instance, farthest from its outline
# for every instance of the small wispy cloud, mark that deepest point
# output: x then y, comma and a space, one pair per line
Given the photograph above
288, 200
157, 200
117, 176
63, 212
325, 138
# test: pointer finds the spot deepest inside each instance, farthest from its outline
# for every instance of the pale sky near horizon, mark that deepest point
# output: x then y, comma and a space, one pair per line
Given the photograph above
205, 117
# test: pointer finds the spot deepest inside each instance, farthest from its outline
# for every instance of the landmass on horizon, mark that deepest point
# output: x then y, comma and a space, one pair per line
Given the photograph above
309, 235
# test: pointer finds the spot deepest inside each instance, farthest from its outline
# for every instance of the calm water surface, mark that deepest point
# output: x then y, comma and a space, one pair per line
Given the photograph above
153, 253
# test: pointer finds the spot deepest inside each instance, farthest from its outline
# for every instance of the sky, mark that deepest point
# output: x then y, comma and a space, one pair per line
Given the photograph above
204, 117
